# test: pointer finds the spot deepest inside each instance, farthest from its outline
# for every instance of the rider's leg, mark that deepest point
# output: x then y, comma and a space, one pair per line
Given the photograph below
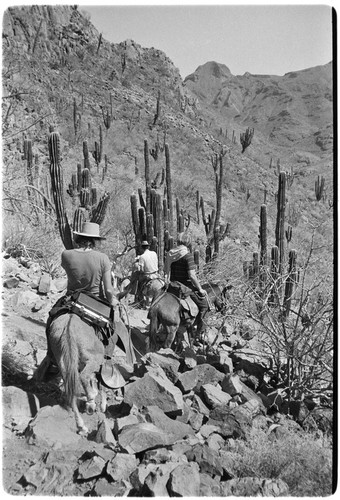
203, 308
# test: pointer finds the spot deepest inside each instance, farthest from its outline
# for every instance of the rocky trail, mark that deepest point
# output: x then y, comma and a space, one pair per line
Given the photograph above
169, 432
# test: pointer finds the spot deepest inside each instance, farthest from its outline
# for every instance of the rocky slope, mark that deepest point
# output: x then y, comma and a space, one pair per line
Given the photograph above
177, 427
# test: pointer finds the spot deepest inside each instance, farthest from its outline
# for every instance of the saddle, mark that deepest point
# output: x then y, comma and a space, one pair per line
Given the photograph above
188, 307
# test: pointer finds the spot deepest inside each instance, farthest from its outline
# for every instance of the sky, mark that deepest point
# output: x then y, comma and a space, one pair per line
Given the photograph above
264, 38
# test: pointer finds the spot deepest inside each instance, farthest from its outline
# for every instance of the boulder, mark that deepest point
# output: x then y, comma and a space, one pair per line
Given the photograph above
215, 441
214, 396
24, 298
18, 406
207, 459
197, 404
167, 360
138, 476
206, 430
189, 357
104, 488
209, 487
155, 389
187, 380
143, 436
195, 419
11, 283
184, 481
254, 487
231, 422
178, 430
91, 468
44, 284
52, 426
121, 466
104, 433
155, 483
206, 374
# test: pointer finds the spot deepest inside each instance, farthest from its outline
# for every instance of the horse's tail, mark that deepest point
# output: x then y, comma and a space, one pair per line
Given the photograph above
70, 359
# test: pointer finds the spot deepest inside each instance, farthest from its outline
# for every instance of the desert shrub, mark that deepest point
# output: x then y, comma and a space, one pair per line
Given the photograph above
41, 243
300, 459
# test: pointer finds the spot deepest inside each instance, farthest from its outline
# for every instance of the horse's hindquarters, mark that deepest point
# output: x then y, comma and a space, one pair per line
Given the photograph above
79, 354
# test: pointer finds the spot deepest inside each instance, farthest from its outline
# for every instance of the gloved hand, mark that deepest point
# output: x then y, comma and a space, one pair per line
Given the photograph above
202, 292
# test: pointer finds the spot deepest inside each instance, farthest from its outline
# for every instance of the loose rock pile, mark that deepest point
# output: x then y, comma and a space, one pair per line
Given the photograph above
169, 432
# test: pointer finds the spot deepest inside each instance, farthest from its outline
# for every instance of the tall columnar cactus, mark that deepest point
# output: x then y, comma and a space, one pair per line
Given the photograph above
78, 219
86, 155
75, 116
149, 228
280, 219
319, 187
98, 148
198, 206
289, 232
159, 222
263, 235
290, 282
263, 243
85, 188
169, 186
57, 189
99, 212
28, 156
147, 176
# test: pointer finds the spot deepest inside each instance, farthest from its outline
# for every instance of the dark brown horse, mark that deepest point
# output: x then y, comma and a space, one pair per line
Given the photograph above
166, 311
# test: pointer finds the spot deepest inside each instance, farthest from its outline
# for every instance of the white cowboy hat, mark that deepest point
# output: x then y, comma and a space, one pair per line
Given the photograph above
90, 229
145, 243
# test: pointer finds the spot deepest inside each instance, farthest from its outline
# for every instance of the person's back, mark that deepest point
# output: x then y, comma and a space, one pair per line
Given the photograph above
148, 262
179, 270
85, 270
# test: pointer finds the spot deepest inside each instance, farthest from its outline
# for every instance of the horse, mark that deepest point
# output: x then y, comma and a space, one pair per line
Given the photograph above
79, 355
148, 288
166, 310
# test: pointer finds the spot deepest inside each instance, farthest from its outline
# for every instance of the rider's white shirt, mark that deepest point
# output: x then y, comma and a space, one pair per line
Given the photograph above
148, 262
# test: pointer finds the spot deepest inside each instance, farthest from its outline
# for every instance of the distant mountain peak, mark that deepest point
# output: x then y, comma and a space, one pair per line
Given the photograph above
210, 68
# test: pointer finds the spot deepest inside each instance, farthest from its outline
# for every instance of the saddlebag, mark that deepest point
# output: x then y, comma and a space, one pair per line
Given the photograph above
92, 309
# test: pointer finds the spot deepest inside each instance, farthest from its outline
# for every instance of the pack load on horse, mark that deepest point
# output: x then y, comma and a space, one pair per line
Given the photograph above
145, 280
84, 328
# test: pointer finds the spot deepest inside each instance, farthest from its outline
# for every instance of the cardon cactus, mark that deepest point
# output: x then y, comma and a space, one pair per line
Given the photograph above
169, 186
147, 176
99, 212
280, 219
57, 189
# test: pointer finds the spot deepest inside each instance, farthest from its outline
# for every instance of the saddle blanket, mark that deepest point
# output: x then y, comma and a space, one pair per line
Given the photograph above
189, 305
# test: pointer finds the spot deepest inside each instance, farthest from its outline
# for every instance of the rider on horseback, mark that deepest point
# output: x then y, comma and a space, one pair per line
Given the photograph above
88, 271
180, 266
145, 269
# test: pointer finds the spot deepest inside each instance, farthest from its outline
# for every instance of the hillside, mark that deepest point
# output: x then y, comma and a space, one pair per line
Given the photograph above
62, 59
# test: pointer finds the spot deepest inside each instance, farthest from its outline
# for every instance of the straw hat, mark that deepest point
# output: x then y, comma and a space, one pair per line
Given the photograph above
90, 229
145, 243
111, 375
